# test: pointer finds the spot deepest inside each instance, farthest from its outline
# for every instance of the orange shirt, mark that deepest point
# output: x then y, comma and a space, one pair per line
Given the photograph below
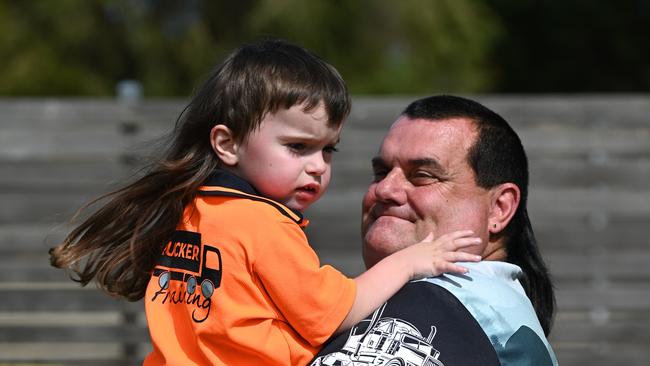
238, 284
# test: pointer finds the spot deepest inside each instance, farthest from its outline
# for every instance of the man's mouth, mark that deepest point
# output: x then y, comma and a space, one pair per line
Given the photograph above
378, 213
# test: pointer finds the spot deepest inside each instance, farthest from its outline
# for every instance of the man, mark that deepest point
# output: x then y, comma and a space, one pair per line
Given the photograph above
446, 164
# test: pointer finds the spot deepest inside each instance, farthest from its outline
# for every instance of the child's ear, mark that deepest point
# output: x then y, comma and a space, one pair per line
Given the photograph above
224, 145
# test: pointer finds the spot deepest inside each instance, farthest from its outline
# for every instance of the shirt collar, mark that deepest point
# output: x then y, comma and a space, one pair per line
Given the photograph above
224, 178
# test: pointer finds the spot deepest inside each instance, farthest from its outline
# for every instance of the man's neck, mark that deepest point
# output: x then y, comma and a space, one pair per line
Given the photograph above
495, 252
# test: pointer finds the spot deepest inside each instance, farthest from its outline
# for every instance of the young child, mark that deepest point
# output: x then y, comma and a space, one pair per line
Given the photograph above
238, 283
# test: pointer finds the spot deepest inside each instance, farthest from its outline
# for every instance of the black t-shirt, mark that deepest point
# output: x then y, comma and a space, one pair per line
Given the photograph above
423, 324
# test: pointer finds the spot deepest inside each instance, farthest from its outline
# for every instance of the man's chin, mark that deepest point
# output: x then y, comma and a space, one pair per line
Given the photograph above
388, 231
378, 244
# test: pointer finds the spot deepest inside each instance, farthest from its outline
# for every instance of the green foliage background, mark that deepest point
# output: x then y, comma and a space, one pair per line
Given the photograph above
84, 47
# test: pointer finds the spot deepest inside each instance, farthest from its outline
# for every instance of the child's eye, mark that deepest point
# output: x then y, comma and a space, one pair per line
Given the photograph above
330, 149
297, 147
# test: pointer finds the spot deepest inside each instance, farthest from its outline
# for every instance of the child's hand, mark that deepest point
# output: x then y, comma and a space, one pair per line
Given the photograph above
424, 259
432, 258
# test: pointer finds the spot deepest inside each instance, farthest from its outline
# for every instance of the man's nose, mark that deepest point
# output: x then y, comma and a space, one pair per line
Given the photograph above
316, 165
392, 188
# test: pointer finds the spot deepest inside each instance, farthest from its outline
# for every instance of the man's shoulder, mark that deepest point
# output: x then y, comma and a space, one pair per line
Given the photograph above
494, 284
421, 316
492, 294
453, 325
490, 291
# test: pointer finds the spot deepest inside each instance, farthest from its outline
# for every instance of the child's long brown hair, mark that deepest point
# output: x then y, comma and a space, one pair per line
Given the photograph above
119, 243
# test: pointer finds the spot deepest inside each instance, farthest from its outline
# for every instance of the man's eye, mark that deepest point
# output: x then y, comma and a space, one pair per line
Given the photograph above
422, 174
379, 175
422, 177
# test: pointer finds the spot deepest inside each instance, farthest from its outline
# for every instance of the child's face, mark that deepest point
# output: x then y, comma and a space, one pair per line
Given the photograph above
289, 157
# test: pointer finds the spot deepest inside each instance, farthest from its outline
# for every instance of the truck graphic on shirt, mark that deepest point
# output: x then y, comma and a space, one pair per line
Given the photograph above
384, 341
185, 259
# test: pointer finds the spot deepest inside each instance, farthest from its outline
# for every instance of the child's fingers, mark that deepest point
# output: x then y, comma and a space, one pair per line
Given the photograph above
456, 235
454, 268
465, 242
456, 244
461, 257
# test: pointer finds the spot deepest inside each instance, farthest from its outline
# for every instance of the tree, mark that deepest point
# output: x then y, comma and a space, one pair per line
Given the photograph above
79, 47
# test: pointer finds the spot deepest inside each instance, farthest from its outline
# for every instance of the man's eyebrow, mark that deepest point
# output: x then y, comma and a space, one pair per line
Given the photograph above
425, 161
378, 162
428, 162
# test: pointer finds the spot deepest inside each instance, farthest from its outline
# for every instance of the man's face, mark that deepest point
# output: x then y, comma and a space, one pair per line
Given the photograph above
423, 183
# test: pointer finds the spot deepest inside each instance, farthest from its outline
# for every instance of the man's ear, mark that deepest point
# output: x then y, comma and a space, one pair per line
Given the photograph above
504, 200
224, 145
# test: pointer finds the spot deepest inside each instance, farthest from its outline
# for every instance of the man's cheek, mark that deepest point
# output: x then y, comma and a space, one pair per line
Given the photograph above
365, 223
368, 201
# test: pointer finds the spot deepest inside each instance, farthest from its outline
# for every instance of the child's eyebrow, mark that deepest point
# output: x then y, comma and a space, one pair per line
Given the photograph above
298, 136
307, 138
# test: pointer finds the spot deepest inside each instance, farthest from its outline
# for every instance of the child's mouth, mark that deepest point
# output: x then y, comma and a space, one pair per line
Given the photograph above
310, 189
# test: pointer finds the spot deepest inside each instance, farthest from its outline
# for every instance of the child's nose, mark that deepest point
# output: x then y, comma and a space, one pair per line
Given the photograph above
316, 165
